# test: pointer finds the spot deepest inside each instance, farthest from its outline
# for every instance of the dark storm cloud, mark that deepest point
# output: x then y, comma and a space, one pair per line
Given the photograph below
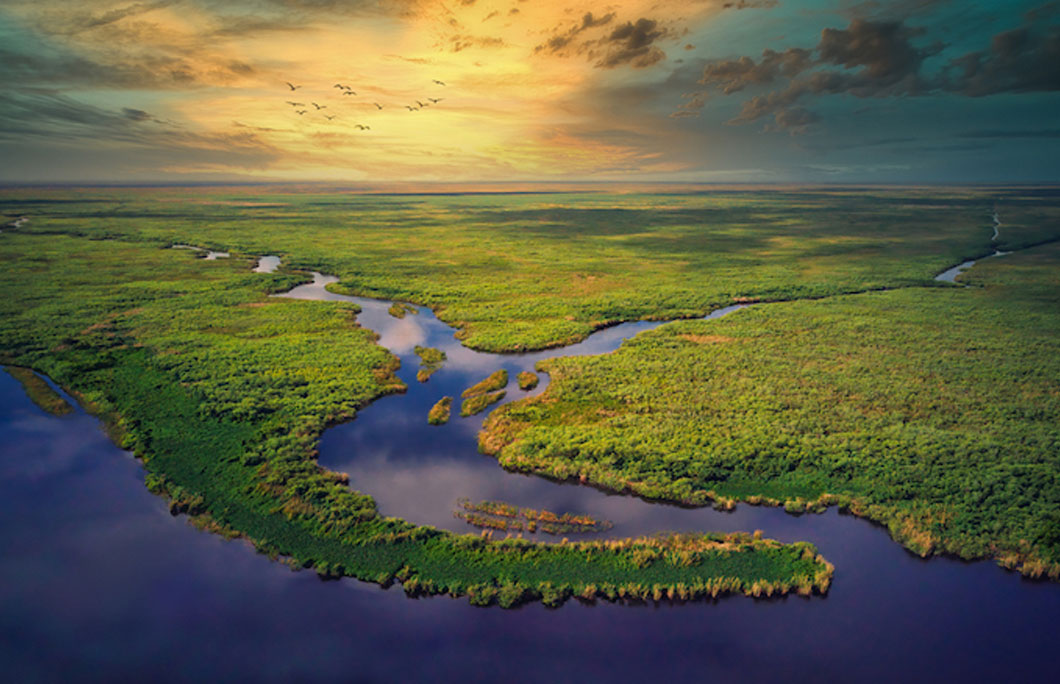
1018, 61
885, 59
731, 76
560, 40
633, 44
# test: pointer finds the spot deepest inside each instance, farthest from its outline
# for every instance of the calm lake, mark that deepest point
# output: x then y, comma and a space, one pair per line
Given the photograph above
99, 583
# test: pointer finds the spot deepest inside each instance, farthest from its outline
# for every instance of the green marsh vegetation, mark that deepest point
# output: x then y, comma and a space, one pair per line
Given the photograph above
224, 392
400, 309
484, 393
431, 361
527, 380
531, 271
935, 412
496, 380
478, 403
439, 413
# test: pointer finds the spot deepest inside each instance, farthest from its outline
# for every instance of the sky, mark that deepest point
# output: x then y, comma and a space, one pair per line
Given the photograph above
720, 91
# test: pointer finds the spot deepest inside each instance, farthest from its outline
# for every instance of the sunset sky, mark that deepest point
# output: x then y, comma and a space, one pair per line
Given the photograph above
690, 90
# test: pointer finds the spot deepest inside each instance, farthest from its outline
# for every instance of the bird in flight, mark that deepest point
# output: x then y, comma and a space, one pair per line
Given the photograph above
292, 86
363, 127
377, 105
421, 104
438, 82
296, 104
411, 108
329, 118
300, 112
319, 107
349, 92
435, 100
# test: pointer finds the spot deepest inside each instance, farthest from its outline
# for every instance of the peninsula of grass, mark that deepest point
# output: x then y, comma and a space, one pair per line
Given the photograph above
439, 413
935, 412
400, 309
39, 392
504, 516
431, 361
527, 380
223, 393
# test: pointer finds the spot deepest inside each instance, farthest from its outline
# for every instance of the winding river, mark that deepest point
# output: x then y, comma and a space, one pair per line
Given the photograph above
99, 582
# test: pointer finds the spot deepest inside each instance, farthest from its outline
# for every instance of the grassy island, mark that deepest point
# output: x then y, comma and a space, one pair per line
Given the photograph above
527, 380
439, 413
431, 361
401, 309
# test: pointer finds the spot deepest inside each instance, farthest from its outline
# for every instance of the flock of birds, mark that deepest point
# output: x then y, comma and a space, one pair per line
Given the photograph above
301, 108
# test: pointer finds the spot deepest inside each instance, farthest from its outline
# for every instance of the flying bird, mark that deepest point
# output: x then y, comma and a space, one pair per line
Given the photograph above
411, 108
363, 127
292, 86
300, 112
435, 100
329, 118
296, 104
438, 82
421, 104
349, 92
377, 105
319, 107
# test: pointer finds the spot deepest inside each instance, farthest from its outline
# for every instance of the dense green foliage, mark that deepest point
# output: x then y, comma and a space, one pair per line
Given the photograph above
496, 380
439, 413
431, 361
527, 380
933, 411
530, 271
477, 403
224, 392
39, 392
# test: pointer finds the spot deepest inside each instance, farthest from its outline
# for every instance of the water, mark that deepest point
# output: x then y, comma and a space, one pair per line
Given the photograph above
208, 254
99, 583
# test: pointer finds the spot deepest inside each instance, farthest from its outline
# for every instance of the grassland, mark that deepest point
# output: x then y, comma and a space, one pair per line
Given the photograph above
935, 412
224, 392
517, 272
